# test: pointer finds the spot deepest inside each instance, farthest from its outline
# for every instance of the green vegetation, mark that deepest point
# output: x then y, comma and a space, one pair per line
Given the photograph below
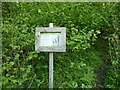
93, 49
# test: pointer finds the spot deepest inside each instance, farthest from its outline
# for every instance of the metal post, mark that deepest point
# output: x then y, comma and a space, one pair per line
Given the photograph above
51, 70
51, 66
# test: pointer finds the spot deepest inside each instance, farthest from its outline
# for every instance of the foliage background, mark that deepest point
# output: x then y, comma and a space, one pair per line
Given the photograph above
92, 57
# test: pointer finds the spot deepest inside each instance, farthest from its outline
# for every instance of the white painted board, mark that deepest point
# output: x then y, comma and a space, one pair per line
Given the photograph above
50, 39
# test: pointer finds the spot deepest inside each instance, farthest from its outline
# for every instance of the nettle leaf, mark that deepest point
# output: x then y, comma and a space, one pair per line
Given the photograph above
17, 56
11, 63
30, 57
98, 31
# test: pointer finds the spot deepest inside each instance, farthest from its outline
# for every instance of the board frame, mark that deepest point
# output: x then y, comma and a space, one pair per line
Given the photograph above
40, 30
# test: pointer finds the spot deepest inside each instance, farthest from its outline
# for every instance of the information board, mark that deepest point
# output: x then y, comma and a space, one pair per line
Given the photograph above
50, 39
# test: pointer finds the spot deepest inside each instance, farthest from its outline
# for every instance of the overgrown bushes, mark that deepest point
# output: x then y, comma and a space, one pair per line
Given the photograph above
77, 68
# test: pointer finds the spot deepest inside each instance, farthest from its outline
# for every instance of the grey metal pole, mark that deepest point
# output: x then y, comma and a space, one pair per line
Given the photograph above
51, 66
50, 70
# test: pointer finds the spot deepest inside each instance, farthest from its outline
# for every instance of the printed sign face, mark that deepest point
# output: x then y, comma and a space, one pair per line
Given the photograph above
51, 39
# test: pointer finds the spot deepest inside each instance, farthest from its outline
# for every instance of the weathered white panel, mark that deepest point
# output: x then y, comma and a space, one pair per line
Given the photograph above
50, 39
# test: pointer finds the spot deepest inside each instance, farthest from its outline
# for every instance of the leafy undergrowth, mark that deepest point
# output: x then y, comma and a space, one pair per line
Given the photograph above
23, 67
76, 70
